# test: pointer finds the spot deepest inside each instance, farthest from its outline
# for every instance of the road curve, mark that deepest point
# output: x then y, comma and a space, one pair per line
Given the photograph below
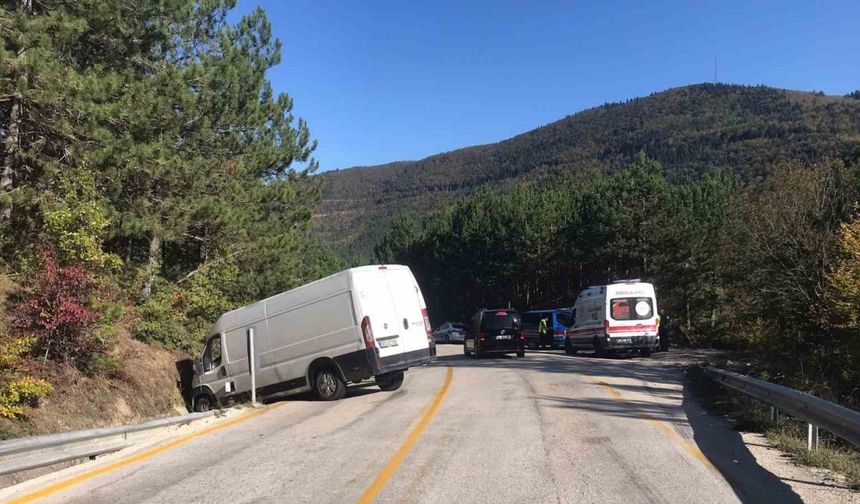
546, 428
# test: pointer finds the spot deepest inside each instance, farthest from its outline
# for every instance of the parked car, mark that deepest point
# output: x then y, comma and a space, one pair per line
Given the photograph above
495, 332
362, 323
449, 332
559, 321
620, 317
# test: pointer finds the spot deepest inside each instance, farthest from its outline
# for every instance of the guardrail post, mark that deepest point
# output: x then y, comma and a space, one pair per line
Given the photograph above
812, 437
252, 365
774, 414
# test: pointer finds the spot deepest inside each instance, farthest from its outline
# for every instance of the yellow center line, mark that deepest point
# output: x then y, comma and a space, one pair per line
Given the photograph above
667, 429
392, 465
139, 457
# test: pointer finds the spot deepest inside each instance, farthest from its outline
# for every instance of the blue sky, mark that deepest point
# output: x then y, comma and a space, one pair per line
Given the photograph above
383, 81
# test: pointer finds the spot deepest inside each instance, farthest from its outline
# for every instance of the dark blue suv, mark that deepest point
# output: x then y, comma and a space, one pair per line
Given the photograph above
559, 320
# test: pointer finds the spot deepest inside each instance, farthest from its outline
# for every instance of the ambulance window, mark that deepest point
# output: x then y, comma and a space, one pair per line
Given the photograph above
621, 309
631, 308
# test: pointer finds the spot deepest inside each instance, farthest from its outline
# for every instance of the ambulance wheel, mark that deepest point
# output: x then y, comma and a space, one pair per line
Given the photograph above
598, 352
390, 383
328, 385
646, 352
521, 353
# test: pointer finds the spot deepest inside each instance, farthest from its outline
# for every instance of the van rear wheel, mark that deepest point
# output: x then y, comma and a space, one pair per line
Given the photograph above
390, 383
328, 385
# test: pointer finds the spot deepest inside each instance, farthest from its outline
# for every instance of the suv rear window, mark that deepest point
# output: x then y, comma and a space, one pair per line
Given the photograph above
493, 321
633, 308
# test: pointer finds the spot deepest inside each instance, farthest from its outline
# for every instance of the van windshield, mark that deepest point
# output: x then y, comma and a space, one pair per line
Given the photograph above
633, 308
501, 320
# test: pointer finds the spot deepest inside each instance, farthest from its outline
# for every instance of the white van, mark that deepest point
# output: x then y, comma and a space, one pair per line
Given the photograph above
621, 316
367, 322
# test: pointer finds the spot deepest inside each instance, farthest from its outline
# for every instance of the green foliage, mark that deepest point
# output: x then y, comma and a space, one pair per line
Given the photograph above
17, 390
179, 316
741, 266
14, 394
76, 223
690, 131
148, 131
160, 319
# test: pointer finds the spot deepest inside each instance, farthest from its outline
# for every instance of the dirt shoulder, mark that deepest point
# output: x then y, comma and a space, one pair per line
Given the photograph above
778, 448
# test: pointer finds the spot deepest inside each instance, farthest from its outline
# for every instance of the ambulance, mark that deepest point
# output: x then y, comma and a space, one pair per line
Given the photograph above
614, 318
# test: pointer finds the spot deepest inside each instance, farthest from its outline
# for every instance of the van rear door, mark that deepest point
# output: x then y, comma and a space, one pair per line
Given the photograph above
390, 297
631, 310
409, 306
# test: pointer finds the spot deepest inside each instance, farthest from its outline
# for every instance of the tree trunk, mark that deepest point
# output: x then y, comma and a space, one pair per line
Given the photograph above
13, 137
689, 325
153, 265
12, 140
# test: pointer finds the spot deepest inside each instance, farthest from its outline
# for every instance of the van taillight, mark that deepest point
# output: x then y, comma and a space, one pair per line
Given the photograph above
606, 327
427, 324
367, 332
522, 335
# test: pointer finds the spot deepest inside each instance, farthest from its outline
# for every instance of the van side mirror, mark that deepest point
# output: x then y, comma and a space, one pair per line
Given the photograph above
198, 366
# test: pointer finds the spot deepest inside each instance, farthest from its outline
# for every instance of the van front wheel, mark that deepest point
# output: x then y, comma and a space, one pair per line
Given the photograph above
202, 403
390, 383
328, 385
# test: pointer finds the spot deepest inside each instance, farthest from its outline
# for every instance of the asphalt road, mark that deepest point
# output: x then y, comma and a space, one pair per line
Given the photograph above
546, 428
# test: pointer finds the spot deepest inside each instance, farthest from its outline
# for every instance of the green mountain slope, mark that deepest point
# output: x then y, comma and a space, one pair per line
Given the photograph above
689, 130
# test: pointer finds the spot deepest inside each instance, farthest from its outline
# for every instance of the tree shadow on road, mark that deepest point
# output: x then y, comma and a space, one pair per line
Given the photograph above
673, 404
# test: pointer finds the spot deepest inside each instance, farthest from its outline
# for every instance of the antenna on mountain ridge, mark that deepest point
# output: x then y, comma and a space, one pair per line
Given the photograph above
715, 69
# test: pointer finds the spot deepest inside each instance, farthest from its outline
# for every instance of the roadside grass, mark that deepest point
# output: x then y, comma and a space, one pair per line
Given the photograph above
787, 434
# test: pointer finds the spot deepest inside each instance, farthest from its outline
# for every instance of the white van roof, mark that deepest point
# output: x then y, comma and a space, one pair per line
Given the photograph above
256, 311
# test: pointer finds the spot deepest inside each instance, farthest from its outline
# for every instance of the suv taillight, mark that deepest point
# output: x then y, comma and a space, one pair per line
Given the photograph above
427, 324
483, 336
522, 335
367, 332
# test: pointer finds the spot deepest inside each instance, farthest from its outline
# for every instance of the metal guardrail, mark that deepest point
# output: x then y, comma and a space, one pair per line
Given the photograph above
39, 451
817, 412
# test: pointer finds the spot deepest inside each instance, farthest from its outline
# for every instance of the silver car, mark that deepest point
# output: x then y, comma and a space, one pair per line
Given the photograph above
449, 332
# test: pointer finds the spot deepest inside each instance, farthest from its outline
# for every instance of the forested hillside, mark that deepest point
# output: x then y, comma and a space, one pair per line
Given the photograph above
768, 269
689, 130
146, 186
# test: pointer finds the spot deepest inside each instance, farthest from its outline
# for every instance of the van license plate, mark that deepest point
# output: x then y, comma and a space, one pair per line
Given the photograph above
503, 336
388, 343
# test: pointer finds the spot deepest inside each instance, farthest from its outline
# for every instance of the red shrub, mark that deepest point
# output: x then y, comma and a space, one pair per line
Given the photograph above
55, 311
